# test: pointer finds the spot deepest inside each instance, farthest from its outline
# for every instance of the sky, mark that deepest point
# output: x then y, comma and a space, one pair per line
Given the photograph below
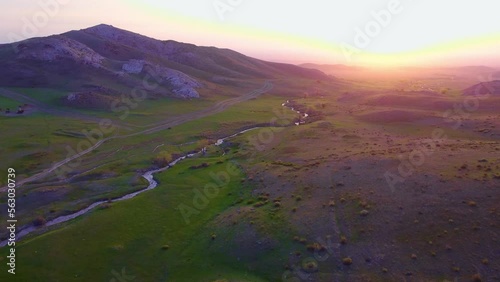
376, 32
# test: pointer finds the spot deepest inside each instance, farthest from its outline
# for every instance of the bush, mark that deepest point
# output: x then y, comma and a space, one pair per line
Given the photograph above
164, 158
203, 165
39, 221
315, 247
263, 198
310, 266
472, 204
105, 206
343, 240
347, 261
477, 277
259, 204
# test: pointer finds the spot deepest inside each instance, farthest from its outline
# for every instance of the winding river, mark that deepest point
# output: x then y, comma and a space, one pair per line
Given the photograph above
147, 175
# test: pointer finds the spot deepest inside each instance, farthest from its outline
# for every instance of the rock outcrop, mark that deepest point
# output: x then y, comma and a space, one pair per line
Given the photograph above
58, 47
182, 85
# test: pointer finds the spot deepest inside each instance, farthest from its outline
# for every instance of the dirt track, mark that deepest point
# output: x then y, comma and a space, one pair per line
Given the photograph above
217, 108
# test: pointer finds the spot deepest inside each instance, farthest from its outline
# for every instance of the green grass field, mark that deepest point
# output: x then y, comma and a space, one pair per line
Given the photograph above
143, 228
294, 187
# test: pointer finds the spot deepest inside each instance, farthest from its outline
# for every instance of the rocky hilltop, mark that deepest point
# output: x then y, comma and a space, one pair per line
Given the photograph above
88, 62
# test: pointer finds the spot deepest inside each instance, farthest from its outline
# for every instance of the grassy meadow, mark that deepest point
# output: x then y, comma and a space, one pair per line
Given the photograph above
301, 202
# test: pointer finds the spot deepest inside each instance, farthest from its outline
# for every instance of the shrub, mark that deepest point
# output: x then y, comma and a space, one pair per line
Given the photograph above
347, 261
259, 204
343, 240
39, 221
310, 266
477, 277
105, 206
163, 159
203, 165
315, 247
263, 198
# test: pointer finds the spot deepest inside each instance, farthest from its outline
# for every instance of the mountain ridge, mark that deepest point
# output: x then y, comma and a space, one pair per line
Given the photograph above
103, 53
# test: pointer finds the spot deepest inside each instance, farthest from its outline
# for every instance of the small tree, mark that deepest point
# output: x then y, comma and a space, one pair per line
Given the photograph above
163, 159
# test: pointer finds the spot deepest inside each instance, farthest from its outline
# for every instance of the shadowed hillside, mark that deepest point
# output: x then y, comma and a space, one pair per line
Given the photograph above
101, 60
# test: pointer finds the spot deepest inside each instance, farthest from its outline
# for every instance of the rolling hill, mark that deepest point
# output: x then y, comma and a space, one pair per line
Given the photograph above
100, 61
484, 88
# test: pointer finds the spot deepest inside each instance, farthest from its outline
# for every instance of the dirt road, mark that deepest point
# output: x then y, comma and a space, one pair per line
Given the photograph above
217, 108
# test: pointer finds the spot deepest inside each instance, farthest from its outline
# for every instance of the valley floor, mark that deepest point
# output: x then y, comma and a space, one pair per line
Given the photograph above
377, 184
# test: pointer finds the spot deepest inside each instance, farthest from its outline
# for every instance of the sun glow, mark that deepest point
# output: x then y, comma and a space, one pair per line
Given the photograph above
298, 33
269, 44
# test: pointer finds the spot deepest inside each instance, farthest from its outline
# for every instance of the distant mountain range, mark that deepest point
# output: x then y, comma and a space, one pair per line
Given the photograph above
329, 68
102, 60
484, 88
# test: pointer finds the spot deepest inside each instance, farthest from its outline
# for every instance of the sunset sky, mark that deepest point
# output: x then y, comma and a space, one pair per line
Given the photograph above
381, 32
